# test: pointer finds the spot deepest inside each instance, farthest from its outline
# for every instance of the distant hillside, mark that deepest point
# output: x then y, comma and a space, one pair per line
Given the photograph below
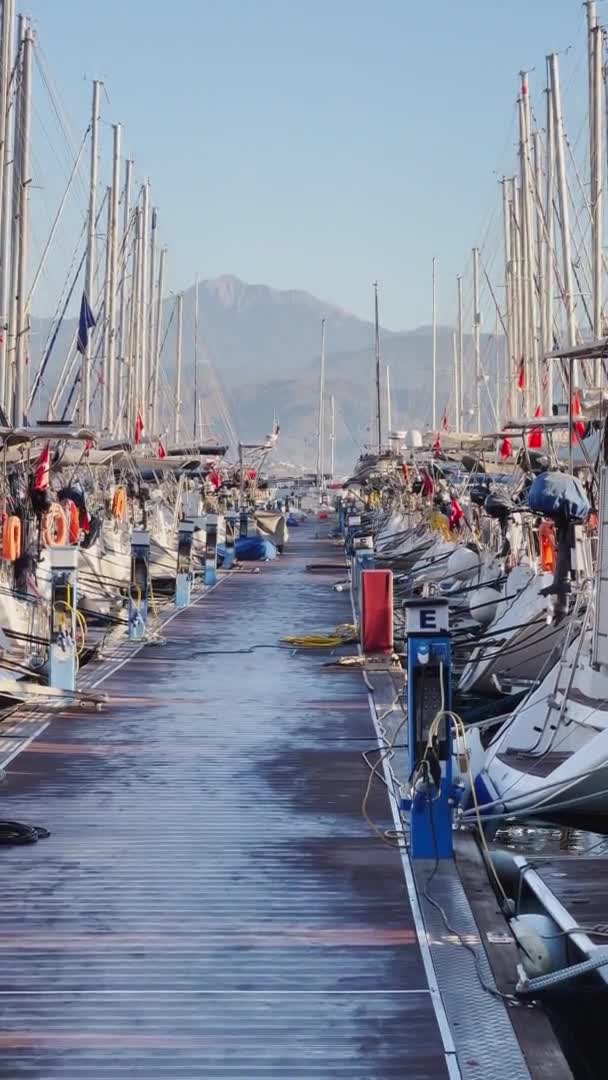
263, 345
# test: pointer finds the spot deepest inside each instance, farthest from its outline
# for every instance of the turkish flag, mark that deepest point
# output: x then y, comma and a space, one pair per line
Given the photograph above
535, 438
43, 467
437, 445
521, 375
578, 426
139, 427
161, 452
444, 420
456, 513
506, 448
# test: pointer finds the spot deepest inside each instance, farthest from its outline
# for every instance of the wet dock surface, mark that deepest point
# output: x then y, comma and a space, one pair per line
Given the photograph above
211, 902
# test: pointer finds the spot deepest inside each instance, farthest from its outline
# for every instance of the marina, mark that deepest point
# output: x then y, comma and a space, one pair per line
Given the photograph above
303, 617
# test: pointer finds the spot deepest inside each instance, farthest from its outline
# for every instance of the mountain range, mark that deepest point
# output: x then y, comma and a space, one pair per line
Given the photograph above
259, 353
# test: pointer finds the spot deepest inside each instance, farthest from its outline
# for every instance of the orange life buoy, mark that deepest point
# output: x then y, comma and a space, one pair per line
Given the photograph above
119, 504
546, 537
11, 538
55, 529
73, 517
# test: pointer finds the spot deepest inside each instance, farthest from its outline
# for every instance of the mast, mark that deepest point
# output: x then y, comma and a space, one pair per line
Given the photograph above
564, 207
13, 242
158, 318
134, 367
549, 221
195, 417
85, 367
151, 306
377, 355
144, 313
124, 322
111, 313
178, 367
506, 224
540, 263
529, 300
460, 364
389, 411
455, 363
434, 362
6, 162
596, 189
105, 367
321, 421
25, 116
332, 437
517, 294
476, 340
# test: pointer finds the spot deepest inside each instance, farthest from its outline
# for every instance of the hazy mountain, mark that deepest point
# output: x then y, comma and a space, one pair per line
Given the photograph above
263, 346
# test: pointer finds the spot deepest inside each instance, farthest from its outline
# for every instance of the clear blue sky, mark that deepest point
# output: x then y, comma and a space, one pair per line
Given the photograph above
316, 144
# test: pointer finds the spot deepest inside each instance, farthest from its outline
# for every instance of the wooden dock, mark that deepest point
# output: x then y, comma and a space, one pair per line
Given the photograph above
211, 902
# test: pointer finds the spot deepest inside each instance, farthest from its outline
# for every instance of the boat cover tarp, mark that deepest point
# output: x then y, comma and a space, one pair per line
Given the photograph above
250, 549
559, 496
272, 525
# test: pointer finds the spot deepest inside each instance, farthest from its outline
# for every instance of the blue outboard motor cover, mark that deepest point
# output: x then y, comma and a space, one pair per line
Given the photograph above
559, 496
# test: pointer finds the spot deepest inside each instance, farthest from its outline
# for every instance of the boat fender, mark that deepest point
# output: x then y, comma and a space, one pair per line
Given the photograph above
73, 515
541, 947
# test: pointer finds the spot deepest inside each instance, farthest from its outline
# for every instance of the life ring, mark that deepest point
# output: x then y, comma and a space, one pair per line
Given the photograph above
119, 504
546, 537
55, 529
11, 538
73, 516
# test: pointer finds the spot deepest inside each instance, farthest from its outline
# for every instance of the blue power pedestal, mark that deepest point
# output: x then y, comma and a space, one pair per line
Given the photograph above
211, 549
183, 577
353, 523
429, 660
140, 583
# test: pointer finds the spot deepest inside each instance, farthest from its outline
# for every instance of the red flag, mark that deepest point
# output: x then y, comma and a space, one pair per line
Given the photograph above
578, 426
139, 427
444, 421
535, 438
161, 452
215, 478
89, 445
428, 486
521, 376
437, 445
506, 448
43, 466
456, 513
406, 473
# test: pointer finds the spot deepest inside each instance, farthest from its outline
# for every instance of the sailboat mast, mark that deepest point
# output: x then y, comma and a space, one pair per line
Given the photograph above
389, 410
564, 205
144, 312
114, 196
508, 265
125, 322
85, 366
106, 317
377, 354
321, 422
195, 419
178, 367
460, 364
332, 437
476, 339
6, 162
434, 358
596, 161
158, 318
25, 115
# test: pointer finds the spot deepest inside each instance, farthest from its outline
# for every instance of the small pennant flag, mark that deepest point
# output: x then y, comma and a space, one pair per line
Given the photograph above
506, 448
161, 452
437, 444
456, 513
535, 438
578, 426
139, 427
89, 445
86, 322
444, 421
521, 375
43, 466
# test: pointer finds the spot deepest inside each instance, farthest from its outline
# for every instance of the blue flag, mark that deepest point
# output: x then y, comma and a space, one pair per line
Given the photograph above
85, 323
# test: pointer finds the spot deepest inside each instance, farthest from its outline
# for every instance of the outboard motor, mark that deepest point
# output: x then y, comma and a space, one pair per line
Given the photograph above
562, 499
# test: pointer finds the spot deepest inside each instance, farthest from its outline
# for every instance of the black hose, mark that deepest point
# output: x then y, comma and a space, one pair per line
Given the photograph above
14, 832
